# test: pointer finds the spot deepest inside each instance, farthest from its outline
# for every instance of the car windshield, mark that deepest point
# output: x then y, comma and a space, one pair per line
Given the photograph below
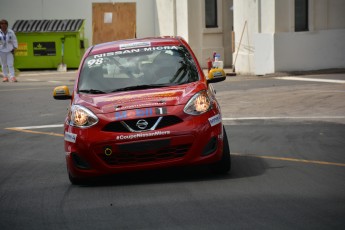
137, 69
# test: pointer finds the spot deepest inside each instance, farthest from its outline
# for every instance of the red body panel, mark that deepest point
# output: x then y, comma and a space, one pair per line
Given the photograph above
91, 143
181, 143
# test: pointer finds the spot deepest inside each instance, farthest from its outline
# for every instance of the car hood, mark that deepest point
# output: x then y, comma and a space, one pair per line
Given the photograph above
166, 96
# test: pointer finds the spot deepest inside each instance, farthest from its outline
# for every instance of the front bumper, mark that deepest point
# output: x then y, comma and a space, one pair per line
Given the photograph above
95, 152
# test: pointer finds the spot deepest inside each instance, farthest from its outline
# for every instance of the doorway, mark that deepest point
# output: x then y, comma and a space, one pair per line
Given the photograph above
113, 21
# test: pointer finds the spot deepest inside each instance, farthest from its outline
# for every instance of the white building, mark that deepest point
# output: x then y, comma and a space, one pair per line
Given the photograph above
288, 35
254, 36
148, 18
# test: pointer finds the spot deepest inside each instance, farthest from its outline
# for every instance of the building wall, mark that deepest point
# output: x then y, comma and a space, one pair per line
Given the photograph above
309, 51
228, 24
14, 10
195, 25
153, 17
171, 17
187, 19
165, 18
270, 43
182, 19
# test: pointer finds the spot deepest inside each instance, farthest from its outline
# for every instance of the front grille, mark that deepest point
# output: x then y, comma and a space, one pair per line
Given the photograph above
118, 126
151, 155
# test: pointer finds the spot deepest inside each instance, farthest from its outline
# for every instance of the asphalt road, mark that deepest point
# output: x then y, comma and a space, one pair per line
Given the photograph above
287, 139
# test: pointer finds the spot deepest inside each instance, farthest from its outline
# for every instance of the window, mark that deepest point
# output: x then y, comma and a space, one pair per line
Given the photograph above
301, 15
211, 14
138, 68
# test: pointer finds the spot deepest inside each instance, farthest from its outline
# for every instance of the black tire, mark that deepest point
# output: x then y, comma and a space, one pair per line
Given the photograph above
75, 180
223, 166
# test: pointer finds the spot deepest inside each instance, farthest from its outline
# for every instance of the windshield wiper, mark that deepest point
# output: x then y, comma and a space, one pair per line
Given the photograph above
136, 87
92, 91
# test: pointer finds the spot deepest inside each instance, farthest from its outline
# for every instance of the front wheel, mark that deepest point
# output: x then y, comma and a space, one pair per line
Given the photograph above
76, 180
223, 166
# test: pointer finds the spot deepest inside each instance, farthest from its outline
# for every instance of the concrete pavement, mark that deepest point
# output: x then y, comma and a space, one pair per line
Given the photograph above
69, 76
246, 98
27, 75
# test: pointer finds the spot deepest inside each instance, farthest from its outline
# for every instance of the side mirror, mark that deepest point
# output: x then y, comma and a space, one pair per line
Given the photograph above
216, 75
61, 93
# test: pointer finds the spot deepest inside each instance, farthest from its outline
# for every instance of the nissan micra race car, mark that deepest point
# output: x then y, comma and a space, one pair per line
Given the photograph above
142, 104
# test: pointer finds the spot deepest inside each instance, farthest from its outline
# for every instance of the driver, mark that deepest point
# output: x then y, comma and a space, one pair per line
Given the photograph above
165, 65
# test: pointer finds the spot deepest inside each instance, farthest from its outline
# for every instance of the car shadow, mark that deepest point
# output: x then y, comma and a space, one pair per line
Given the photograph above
242, 166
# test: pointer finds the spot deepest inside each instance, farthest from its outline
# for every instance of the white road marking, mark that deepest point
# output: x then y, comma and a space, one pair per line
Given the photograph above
291, 159
30, 79
311, 79
224, 119
39, 127
44, 73
24, 129
278, 118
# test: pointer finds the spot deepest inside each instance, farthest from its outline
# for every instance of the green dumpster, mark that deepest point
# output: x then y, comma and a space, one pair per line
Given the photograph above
45, 44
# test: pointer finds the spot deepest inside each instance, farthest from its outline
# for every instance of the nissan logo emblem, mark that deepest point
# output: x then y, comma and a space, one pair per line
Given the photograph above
142, 124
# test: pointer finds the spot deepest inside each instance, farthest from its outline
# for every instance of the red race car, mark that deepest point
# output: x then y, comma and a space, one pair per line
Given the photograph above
142, 104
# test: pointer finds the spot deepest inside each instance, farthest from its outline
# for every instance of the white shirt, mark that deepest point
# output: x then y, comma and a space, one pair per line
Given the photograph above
8, 41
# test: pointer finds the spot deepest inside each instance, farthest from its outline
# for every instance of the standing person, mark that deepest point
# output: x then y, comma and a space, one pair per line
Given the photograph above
8, 43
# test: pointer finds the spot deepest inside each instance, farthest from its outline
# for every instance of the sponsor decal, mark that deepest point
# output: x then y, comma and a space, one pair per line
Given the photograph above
146, 112
142, 135
215, 120
120, 115
60, 92
22, 49
70, 137
44, 49
160, 111
143, 112
143, 97
217, 74
135, 45
139, 105
161, 48
130, 51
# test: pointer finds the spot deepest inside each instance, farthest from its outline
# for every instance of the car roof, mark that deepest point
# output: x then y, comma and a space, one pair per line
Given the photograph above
135, 43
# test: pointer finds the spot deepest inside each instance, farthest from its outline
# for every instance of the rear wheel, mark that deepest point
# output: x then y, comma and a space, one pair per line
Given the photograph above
223, 166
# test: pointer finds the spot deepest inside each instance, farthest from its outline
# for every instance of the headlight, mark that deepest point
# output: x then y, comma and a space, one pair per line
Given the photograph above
82, 117
200, 103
